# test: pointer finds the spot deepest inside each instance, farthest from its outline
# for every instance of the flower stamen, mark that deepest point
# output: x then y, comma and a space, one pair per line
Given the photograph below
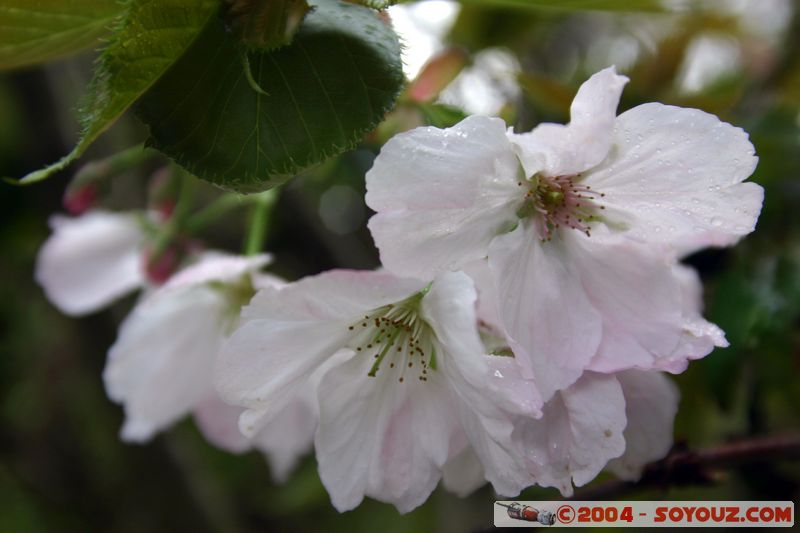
397, 333
561, 201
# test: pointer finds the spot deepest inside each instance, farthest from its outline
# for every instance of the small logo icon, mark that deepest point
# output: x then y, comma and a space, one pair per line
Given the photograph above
527, 513
565, 514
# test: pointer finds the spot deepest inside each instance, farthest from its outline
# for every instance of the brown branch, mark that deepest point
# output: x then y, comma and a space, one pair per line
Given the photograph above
701, 467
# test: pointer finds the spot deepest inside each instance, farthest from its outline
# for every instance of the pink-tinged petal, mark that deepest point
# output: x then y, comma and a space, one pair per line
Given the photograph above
217, 267
288, 436
477, 382
638, 297
334, 295
449, 308
90, 261
581, 430
463, 474
651, 401
219, 424
160, 368
264, 280
700, 337
553, 328
381, 438
441, 195
266, 361
559, 150
676, 176
651, 319
287, 333
488, 309
516, 393
490, 434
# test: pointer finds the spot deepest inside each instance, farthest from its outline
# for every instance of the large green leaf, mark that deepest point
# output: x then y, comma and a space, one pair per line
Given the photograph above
33, 31
333, 83
595, 5
154, 34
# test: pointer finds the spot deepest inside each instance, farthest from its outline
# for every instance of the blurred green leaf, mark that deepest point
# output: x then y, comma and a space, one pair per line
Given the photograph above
152, 37
546, 93
333, 84
34, 31
441, 115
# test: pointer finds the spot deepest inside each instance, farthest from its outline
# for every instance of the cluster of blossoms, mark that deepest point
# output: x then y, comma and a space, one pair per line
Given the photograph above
532, 298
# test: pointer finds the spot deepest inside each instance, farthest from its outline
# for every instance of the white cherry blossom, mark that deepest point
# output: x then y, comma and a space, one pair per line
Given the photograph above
581, 430
581, 224
401, 381
161, 366
91, 260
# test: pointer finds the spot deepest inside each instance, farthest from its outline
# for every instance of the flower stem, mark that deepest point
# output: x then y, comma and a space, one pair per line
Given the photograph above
173, 226
259, 221
213, 211
112, 165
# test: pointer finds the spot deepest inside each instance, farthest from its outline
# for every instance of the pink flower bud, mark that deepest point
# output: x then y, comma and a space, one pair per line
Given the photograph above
78, 200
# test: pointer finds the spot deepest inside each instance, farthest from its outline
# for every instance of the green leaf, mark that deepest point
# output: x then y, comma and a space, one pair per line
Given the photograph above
33, 31
330, 86
153, 35
594, 5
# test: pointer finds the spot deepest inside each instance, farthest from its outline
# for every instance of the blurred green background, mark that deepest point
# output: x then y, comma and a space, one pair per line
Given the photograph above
62, 467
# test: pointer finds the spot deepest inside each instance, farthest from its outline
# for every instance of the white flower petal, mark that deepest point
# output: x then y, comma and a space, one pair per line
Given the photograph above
490, 433
561, 150
284, 439
517, 394
441, 195
651, 401
449, 308
219, 424
334, 295
161, 365
217, 266
700, 337
463, 474
636, 292
266, 361
381, 438
677, 174
552, 326
90, 261
287, 437
488, 309
289, 332
580, 431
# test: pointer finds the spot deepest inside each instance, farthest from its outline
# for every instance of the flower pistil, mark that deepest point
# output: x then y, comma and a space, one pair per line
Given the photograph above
560, 201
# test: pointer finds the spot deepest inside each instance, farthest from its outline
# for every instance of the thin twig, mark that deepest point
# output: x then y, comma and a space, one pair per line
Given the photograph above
701, 467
